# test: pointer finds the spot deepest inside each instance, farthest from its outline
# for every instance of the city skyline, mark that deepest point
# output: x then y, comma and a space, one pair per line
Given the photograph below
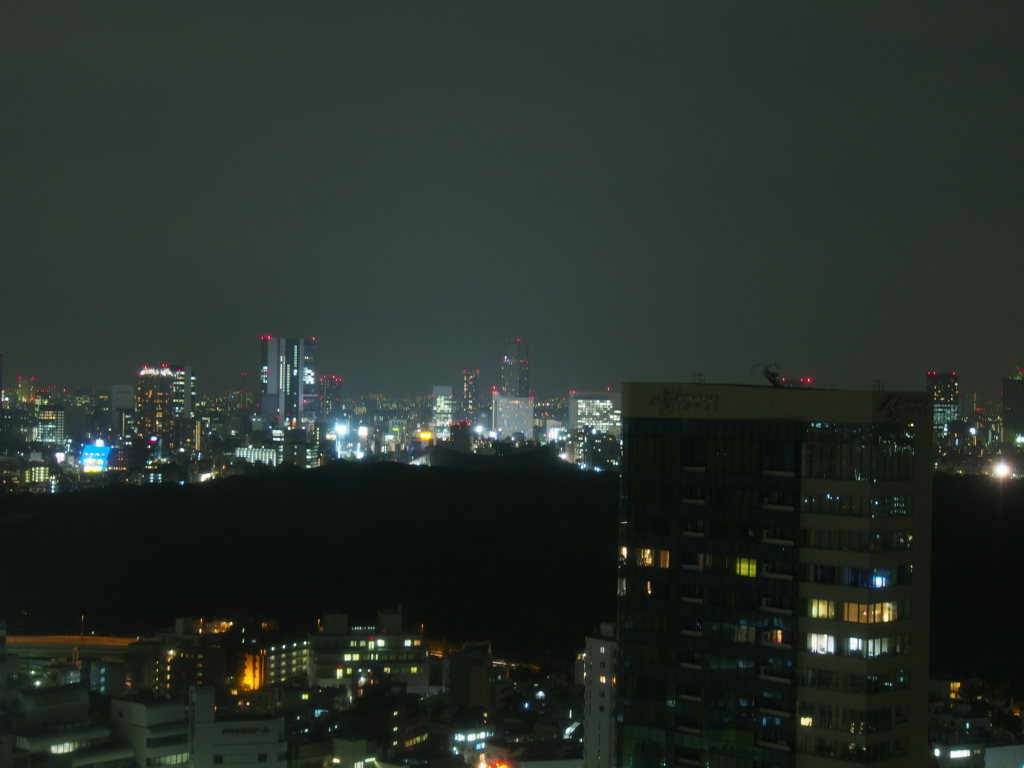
987, 393
643, 192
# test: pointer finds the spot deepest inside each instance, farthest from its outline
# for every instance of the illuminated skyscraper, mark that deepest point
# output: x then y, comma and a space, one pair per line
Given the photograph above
154, 404
512, 415
183, 400
944, 389
469, 407
515, 369
165, 404
595, 411
288, 380
330, 395
50, 427
442, 411
774, 577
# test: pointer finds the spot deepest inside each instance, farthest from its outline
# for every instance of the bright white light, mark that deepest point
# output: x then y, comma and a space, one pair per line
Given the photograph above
364, 431
974, 431
1002, 470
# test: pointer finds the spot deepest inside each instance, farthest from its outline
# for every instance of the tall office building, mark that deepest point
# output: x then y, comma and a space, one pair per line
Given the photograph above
600, 411
515, 369
944, 389
288, 380
183, 392
442, 411
511, 416
50, 428
469, 406
774, 577
330, 395
1013, 408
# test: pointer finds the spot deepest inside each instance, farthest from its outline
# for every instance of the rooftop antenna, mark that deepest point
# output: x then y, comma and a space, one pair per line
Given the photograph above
771, 372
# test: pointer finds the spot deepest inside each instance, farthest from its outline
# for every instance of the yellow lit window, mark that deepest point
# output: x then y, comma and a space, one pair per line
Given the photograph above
656, 558
821, 609
746, 566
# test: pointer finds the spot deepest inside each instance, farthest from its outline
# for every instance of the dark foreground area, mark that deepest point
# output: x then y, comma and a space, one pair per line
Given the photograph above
522, 557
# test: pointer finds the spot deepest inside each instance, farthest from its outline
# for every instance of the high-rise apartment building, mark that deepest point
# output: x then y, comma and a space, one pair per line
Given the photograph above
154, 403
944, 389
165, 404
288, 380
515, 369
599, 699
774, 579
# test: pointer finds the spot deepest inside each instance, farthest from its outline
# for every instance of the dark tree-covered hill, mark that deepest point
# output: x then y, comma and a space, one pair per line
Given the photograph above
523, 557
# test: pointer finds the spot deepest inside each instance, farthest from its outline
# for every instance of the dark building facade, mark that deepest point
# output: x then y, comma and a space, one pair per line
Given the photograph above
515, 369
773, 603
1013, 408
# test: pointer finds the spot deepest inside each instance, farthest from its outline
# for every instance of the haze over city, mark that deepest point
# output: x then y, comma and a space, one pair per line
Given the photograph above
643, 191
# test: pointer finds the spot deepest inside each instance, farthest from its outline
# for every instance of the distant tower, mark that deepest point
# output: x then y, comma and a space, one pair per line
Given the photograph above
330, 395
184, 392
469, 408
1013, 408
944, 389
288, 379
515, 369
50, 429
442, 411
154, 404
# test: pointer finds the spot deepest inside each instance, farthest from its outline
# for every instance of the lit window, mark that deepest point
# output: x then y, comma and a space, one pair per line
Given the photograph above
656, 558
818, 643
869, 613
821, 609
746, 566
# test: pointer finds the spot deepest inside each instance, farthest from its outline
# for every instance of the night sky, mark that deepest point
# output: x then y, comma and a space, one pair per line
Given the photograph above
642, 191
